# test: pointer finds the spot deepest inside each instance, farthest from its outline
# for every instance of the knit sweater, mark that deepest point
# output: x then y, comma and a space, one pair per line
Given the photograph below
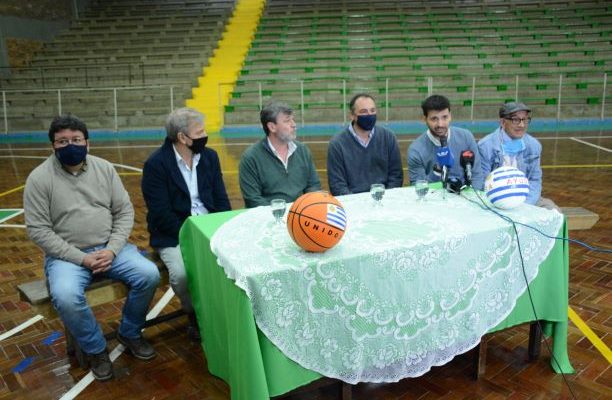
65, 213
352, 168
422, 158
263, 176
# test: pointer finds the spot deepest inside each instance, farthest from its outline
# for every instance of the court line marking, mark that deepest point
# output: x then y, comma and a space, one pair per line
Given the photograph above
592, 145
586, 331
138, 171
213, 145
18, 211
129, 173
127, 167
21, 327
11, 190
118, 350
569, 166
45, 157
577, 166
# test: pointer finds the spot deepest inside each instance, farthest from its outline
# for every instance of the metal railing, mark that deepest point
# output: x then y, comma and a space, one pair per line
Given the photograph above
551, 93
57, 99
90, 75
78, 74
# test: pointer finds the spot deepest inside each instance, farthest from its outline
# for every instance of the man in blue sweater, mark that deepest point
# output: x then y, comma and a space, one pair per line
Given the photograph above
363, 153
422, 162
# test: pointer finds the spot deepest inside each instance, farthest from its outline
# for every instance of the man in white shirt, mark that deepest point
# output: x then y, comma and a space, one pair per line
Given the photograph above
181, 178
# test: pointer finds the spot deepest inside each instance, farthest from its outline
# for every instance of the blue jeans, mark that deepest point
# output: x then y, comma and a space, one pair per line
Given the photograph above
67, 284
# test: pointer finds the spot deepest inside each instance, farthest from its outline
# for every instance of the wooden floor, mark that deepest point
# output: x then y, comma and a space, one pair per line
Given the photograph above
575, 174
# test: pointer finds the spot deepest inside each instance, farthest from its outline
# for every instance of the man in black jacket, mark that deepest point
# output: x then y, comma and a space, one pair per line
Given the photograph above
181, 178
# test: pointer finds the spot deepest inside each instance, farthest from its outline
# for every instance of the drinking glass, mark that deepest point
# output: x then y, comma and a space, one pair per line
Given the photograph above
278, 209
377, 191
421, 188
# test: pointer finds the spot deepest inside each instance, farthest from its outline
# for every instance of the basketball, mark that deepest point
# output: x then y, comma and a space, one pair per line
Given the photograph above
316, 221
506, 187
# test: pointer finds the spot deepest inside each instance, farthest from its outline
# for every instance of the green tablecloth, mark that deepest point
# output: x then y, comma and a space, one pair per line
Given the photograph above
254, 368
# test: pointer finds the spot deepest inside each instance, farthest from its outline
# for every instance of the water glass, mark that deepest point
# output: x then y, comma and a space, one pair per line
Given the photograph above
377, 191
278, 209
421, 188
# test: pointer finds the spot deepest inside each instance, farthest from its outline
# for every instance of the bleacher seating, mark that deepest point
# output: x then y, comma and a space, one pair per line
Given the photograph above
314, 57
123, 44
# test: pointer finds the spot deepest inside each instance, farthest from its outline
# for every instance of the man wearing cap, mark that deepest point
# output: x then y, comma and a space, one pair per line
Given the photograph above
511, 145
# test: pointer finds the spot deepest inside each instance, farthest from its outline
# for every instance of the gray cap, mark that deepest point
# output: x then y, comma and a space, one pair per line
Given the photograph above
512, 107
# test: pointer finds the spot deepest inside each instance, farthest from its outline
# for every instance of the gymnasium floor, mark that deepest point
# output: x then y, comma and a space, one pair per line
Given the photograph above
577, 172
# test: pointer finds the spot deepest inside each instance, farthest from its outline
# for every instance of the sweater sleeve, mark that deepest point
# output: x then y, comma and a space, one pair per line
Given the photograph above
534, 175
36, 204
314, 183
416, 166
477, 172
485, 151
250, 184
122, 212
396, 174
336, 173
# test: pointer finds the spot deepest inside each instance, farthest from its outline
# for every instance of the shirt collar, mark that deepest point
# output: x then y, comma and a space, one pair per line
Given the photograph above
59, 165
356, 136
292, 148
195, 158
435, 140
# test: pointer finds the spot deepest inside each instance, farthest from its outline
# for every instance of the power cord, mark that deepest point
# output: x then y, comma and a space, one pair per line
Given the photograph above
514, 223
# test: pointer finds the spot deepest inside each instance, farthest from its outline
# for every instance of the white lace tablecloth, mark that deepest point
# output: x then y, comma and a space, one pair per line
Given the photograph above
410, 285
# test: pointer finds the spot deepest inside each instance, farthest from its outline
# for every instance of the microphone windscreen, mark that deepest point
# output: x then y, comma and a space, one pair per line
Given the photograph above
467, 157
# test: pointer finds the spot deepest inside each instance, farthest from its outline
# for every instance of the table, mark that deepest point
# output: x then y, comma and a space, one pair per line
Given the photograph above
238, 352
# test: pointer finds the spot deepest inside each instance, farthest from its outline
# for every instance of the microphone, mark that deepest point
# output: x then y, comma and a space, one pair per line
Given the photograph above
445, 159
467, 162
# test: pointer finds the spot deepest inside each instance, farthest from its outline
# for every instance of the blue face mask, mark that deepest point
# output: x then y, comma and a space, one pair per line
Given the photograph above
71, 154
514, 146
366, 122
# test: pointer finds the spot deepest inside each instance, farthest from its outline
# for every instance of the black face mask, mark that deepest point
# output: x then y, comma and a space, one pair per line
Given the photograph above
198, 145
366, 122
71, 154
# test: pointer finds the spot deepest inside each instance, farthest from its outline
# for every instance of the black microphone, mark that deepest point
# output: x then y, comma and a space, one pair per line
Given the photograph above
445, 159
467, 162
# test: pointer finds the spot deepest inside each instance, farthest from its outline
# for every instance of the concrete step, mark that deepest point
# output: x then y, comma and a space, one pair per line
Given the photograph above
579, 218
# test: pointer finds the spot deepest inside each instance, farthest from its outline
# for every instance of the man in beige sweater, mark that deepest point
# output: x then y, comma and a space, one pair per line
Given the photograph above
78, 212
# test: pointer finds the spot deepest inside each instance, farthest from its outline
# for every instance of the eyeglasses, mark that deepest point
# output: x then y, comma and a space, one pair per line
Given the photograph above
65, 142
517, 121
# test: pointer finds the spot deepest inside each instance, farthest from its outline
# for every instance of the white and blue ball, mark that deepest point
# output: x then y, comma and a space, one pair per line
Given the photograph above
506, 187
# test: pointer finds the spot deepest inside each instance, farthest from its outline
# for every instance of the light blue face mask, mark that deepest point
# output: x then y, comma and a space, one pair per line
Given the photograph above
514, 146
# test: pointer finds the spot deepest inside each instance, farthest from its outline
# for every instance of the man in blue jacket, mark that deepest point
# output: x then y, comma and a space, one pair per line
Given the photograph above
422, 162
181, 178
511, 145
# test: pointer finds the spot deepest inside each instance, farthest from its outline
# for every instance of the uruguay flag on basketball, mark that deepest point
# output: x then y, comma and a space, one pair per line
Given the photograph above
336, 216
